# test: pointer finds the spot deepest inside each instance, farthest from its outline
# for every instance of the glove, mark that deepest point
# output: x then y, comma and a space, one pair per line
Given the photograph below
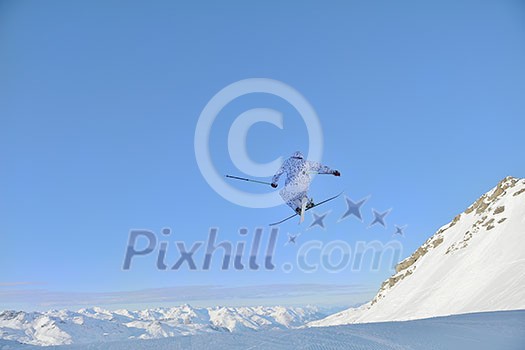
274, 185
336, 173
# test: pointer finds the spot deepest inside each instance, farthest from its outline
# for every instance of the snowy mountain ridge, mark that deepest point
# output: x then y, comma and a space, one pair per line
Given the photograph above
59, 327
473, 264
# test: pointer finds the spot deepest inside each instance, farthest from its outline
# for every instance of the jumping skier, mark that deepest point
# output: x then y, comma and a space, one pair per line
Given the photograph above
298, 171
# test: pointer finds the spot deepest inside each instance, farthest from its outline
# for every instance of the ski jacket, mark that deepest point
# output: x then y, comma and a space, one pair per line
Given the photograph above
298, 171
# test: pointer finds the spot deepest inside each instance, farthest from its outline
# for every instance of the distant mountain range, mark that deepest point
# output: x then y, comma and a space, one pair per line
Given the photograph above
58, 327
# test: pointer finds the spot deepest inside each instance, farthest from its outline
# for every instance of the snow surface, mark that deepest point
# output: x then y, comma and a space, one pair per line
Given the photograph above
503, 330
476, 263
58, 327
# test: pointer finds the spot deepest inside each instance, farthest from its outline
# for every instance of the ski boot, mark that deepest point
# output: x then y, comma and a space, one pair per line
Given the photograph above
310, 203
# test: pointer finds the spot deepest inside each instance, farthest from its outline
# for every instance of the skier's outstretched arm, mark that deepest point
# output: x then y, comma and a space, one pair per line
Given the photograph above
321, 169
277, 175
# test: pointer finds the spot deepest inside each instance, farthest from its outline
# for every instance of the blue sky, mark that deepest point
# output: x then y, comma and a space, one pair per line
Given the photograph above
420, 103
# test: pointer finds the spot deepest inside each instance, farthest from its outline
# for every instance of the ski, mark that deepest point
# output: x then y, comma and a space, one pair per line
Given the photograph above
315, 205
303, 209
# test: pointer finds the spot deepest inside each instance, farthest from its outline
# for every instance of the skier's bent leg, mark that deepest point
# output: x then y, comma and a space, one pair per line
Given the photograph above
298, 202
292, 198
292, 205
293, 202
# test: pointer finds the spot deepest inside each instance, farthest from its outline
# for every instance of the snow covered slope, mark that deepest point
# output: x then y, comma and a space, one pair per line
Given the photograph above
99, 325
475, 263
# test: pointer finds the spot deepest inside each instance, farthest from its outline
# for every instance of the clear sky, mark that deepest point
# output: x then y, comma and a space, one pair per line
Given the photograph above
421, 105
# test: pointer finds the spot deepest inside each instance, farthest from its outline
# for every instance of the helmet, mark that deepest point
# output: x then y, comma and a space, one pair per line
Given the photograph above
298, 155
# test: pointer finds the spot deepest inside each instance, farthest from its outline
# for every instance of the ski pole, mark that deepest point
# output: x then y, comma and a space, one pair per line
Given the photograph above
249, 180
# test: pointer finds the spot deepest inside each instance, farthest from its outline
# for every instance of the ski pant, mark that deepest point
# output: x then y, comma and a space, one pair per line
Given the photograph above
293, 195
